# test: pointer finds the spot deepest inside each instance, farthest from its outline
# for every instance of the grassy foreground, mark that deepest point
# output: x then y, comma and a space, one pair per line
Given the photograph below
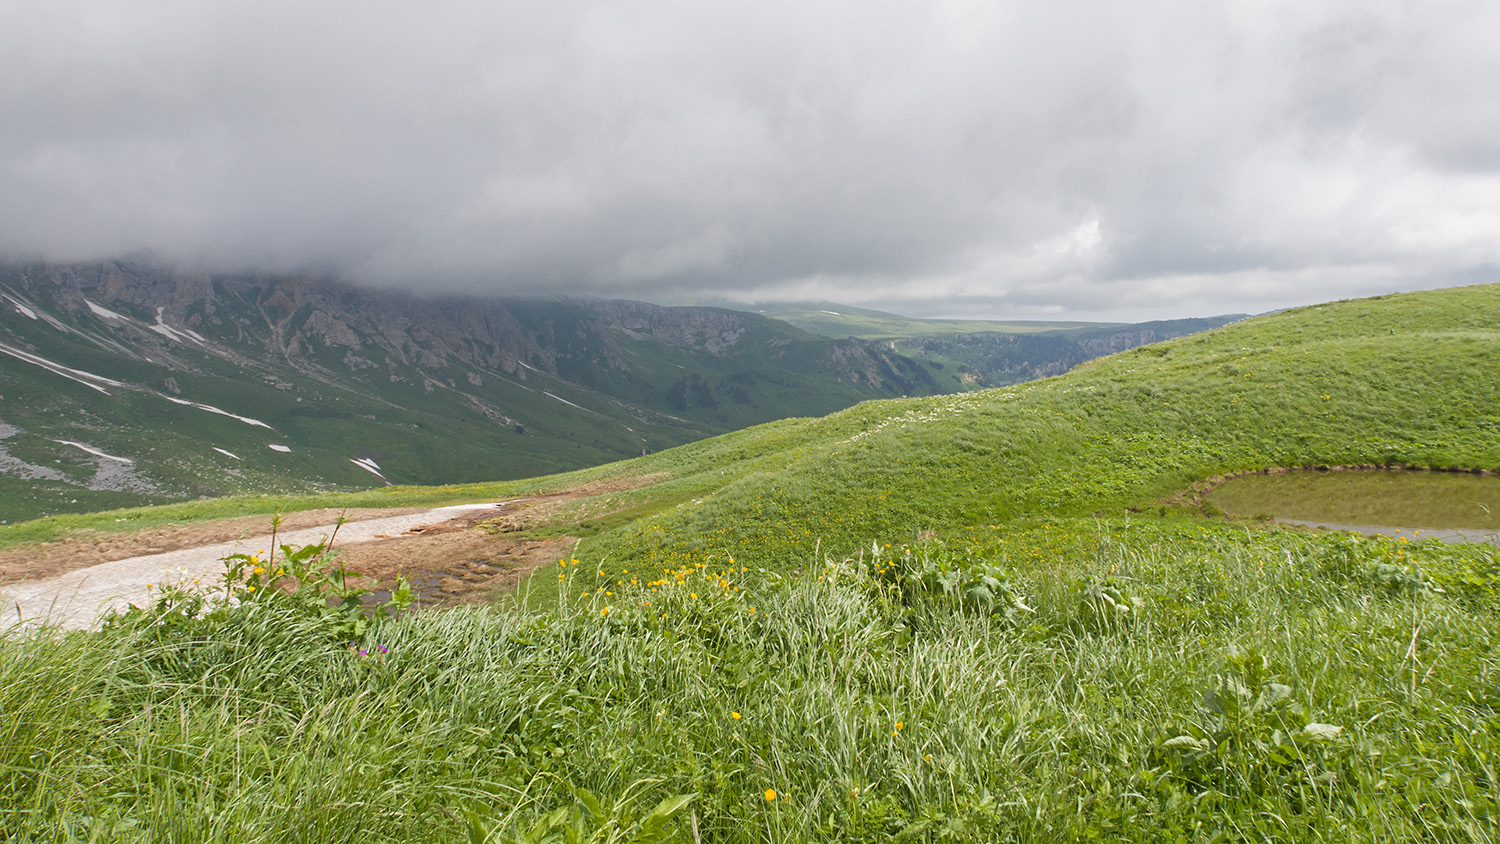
730, 658
1061, 680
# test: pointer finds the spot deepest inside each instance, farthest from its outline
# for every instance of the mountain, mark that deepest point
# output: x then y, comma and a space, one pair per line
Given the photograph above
124, 383
831, 319
982, 617
985, 353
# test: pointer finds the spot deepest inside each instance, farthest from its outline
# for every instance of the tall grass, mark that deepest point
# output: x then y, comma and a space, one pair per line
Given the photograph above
1051, 681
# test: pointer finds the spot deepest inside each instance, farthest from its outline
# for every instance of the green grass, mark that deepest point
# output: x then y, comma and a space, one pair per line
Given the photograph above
763, 619
1054, 681
1398, 381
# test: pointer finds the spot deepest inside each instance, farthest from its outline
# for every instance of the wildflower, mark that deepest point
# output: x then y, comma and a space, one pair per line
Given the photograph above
259, 570
899, 727
735, 715
770, 794
604, 611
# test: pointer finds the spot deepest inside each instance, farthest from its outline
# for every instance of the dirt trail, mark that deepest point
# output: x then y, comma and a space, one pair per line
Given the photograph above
467, 553
90, 547
79, 598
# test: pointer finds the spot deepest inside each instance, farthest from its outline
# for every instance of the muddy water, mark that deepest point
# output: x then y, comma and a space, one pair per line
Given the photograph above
1447, 505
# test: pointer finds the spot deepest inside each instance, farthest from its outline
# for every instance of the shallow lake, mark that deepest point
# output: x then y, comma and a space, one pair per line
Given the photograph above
1447, 505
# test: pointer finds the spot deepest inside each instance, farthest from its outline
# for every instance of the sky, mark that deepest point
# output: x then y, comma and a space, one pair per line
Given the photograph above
1075, 159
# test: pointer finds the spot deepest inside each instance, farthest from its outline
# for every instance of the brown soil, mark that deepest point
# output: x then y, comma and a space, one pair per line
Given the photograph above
453, 562
90, 547
469, 559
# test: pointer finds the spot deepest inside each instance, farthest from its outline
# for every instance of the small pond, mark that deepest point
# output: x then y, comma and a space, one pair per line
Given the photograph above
1448, 505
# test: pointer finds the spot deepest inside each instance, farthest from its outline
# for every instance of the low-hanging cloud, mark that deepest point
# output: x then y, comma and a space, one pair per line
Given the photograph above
959, 156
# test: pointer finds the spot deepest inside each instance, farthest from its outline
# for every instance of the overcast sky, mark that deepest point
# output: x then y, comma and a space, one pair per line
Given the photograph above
1090, 159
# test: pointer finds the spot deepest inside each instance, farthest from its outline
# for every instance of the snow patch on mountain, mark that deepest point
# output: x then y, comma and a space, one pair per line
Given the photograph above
25, 311
104, 312
565, 401
66, 372
185, 335
211, 409
369, 466
94, 451
12, 465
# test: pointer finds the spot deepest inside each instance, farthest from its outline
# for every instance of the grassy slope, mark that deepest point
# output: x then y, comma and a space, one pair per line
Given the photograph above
1059, 677
1401, 380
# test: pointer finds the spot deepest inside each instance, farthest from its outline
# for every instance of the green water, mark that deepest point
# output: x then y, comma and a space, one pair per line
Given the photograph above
1424, 500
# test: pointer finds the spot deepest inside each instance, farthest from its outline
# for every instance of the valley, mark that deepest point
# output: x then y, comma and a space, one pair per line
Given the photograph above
992, 615
127, 383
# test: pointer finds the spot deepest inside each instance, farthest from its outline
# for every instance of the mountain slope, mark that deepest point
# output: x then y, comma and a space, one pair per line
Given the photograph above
124, 383
984, 353
1076, 671
831, 319
1411, 379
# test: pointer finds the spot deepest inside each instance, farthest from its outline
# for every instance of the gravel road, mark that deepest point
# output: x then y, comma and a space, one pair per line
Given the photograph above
80, 599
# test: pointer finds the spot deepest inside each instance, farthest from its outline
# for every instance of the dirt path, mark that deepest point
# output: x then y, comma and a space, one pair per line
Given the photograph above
467, 553
77, 599
90, 548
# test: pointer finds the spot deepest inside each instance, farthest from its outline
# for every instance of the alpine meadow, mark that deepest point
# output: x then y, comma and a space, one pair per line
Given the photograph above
1001, 615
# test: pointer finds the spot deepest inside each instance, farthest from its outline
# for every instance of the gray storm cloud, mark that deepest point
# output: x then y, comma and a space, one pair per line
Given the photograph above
1082, 158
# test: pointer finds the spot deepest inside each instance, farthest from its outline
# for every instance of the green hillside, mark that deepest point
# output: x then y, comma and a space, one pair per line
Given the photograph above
1411, 379
831, 319
969, 618
214, 385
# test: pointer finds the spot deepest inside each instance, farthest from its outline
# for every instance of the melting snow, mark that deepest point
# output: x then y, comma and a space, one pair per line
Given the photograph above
226, 453
211, 409
94, 451
564, 401
171, 333
278, 447
58, 369
105, 312
22, 308
369, 466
